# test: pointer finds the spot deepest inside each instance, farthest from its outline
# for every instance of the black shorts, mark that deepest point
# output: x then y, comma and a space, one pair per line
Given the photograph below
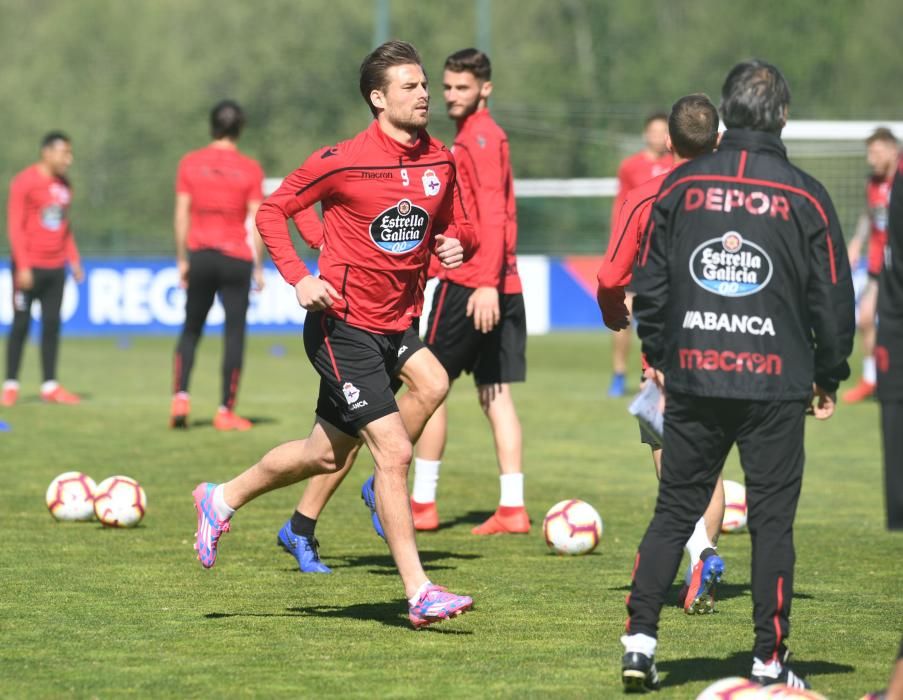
356, 369
410, 343
497, 357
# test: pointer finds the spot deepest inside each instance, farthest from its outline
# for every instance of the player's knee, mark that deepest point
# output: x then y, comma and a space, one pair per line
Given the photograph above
435, 390
396, 459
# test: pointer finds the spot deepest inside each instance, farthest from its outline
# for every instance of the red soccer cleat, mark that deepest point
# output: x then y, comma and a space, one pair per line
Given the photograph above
179, 410
60, 395
227, 420
10, 396
862, 391
505, 520
426, 516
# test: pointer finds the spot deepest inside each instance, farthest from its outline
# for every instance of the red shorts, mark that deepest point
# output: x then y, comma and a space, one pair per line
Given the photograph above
877, 241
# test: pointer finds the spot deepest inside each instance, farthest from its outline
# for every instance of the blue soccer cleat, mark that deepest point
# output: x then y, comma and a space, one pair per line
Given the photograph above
303, 549
700, 597
369, 497
618, 386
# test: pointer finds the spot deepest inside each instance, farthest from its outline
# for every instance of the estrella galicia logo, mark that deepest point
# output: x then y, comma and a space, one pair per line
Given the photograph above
730, 266
400, 228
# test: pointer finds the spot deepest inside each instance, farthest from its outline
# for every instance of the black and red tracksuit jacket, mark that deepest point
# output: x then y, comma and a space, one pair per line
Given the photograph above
889, 347
743, 286
384, 203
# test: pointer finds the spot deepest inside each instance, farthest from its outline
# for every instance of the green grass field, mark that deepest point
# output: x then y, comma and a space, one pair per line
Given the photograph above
91, 612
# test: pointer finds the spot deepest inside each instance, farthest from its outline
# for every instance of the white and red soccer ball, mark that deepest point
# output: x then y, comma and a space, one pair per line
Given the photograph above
70, 496
737, 688
734, 506
119, 501
572, 527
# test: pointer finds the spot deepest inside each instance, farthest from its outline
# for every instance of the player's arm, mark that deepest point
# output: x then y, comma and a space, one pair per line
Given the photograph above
300, 190
310, 227
254, 197
72, 255
616, 270
830, 300
15, 227
651, 281
181, 221
454, 237
860, 236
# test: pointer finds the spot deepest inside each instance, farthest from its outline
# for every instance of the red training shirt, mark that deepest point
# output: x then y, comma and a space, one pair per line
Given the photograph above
487, 186
630, 222
38, 220
384, 202
221, 183
635, 170
877, 197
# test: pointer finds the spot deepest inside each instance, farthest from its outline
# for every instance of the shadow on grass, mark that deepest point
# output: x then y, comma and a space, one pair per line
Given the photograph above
723, 591
389, 613
683, 671
387, 564
255, 420
474, 517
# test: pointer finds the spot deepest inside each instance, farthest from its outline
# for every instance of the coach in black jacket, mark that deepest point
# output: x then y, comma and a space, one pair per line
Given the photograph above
744, 302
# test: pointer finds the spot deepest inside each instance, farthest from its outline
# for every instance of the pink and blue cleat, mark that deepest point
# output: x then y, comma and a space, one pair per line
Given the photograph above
210, 527
436, 604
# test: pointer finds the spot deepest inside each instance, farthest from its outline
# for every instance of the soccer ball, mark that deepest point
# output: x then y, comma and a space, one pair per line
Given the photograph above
70, 496
572, 527
734, 506
119, 502
734, 688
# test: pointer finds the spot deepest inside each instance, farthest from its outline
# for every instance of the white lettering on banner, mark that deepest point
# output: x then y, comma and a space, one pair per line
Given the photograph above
67, 311
6, 296
166, 298
104, 291
134, 296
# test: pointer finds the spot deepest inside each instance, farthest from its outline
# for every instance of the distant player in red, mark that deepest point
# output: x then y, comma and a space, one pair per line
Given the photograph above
478, 323
389, 202
652, 161
217, 190
882, 155
41, 242
693, 130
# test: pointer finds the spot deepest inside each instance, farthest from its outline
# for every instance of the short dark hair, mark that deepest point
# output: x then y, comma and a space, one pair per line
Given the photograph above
227, 119
755, 95
693, 125
882, 133
51, 137
375, 65
655, 117
471, 61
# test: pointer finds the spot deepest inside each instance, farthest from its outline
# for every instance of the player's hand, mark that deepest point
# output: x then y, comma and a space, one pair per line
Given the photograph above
183, 273
78, 272
823, 403
259, 278
24, 278
614, 313
316, 294
483, 305
854, 251
449, 251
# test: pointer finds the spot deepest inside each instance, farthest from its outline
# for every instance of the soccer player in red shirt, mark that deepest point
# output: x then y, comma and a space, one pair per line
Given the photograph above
478, 323
41, 242
882, 154
217, 190
388, 198
693, 130
652, 161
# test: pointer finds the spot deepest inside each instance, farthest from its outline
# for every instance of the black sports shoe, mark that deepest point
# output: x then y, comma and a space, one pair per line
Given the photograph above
638, 673
785, 676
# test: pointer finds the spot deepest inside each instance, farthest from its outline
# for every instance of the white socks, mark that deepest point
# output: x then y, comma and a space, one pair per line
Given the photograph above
512, 486
10, 384
426, 479
698, 542
639, 643
413, 600
868, 370
49, 386
223, 510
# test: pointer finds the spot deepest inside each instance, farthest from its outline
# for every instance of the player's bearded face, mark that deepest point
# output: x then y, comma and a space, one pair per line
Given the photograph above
407, 97
58, 157
462, 92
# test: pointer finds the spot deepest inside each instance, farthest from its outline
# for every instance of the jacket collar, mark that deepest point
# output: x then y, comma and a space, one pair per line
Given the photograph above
396, 148
752, 140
